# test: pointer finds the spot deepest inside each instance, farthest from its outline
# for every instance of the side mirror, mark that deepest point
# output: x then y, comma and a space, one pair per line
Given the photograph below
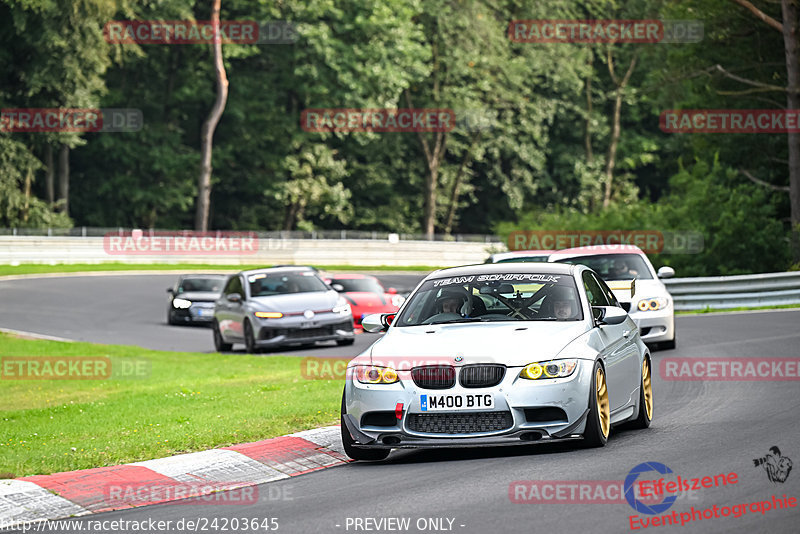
170, 290
377, 322
391, 291
609, 315
337, 287
234, 297
666, 272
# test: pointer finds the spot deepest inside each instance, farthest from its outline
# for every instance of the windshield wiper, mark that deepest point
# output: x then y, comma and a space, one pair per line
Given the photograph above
462, 320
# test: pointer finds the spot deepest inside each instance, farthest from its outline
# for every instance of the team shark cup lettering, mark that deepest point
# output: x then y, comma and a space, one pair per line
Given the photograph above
455, 367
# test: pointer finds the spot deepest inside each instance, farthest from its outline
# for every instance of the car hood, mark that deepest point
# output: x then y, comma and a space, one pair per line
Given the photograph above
510, 343
366, 298
316, 301
644, 289
198, 296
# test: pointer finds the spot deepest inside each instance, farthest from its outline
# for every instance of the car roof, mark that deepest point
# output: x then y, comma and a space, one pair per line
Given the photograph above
499, 268
596, 250
520, 254
352, 276
280, 269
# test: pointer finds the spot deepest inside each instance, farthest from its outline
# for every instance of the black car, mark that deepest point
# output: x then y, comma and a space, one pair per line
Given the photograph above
191, 300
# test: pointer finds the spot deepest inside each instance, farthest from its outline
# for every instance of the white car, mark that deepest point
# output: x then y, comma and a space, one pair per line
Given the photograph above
520, 256
497, 354
652, 307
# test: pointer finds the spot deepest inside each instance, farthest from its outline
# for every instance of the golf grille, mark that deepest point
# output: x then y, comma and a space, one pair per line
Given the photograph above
434, 376
481, 376
459, 423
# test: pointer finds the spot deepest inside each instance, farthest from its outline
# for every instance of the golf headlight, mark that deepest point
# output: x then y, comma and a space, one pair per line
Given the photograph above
549, 369
370, 374
398, 300
268, 315
181, 303
652, 304
342, 307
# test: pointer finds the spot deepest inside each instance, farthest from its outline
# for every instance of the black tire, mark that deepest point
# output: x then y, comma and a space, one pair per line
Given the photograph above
355, 453
170, 320
644, 418
219, 343
344, 342
249, 338
594, 436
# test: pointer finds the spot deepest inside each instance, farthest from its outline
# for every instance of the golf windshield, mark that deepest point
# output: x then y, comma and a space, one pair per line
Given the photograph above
614, 266
493, 297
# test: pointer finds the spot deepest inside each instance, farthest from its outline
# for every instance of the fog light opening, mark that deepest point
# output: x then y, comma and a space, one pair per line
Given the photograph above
531, 436
390, 440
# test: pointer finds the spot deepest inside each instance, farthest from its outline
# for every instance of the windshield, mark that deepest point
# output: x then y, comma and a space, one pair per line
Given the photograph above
493, 297
358, 284
614, 266
213, 285
265, 285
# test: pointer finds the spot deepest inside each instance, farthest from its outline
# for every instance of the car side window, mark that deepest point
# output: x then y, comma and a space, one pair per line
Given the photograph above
593, 291
234, 285
612, 300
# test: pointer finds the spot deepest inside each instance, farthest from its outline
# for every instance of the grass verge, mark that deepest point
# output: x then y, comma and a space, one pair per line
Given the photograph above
741, 308
35, 268
185, 402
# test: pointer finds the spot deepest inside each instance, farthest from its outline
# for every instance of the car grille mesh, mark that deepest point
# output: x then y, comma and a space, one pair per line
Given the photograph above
459, 423
434, 376
481, 376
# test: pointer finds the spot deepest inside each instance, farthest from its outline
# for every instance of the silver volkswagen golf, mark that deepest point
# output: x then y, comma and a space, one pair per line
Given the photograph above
277, 307
498, 354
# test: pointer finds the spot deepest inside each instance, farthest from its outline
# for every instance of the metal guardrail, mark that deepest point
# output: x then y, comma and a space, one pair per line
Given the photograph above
89, 231
770, 289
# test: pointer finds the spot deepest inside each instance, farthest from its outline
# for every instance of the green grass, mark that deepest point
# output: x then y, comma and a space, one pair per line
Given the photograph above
33, 268
186, 402
741, 308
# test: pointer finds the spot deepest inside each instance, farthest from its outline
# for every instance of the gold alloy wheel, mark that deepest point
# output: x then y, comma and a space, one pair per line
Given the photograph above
603, 412
647, 388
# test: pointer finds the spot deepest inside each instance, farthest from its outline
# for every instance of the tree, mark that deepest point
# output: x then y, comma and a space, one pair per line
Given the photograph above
207, 134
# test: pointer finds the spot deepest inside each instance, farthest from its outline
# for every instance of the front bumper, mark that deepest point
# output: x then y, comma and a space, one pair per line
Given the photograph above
539, 410
197, 313
655, 326
295, 331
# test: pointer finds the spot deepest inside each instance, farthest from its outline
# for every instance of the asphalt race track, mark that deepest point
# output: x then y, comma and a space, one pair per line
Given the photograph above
129, 310
700, 428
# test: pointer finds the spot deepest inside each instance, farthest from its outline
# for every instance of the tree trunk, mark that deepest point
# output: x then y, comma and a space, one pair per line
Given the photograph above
587, 136
451, 211
63, 179
49, 174
615, 128
207, 134
791, 40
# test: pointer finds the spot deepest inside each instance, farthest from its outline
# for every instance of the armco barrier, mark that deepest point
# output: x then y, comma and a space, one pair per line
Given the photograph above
270, 251
770, 289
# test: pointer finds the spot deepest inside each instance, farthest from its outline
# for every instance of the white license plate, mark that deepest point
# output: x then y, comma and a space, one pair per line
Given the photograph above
466, 401
204, 312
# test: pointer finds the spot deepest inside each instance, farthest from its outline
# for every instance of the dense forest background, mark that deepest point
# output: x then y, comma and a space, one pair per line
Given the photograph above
569, 134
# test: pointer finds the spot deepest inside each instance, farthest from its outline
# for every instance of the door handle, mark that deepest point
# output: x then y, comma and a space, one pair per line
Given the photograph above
626, 333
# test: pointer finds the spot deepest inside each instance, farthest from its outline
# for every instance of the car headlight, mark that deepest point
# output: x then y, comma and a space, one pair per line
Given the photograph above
652, 304
342, 307
398, 300
181, 303
268, 315
548, 369
371, 374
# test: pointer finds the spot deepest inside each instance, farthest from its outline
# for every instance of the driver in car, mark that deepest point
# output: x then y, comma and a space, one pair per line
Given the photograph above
564, 305
620, 270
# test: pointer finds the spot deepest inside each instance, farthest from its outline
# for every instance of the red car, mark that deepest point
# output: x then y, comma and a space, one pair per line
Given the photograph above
365, 294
